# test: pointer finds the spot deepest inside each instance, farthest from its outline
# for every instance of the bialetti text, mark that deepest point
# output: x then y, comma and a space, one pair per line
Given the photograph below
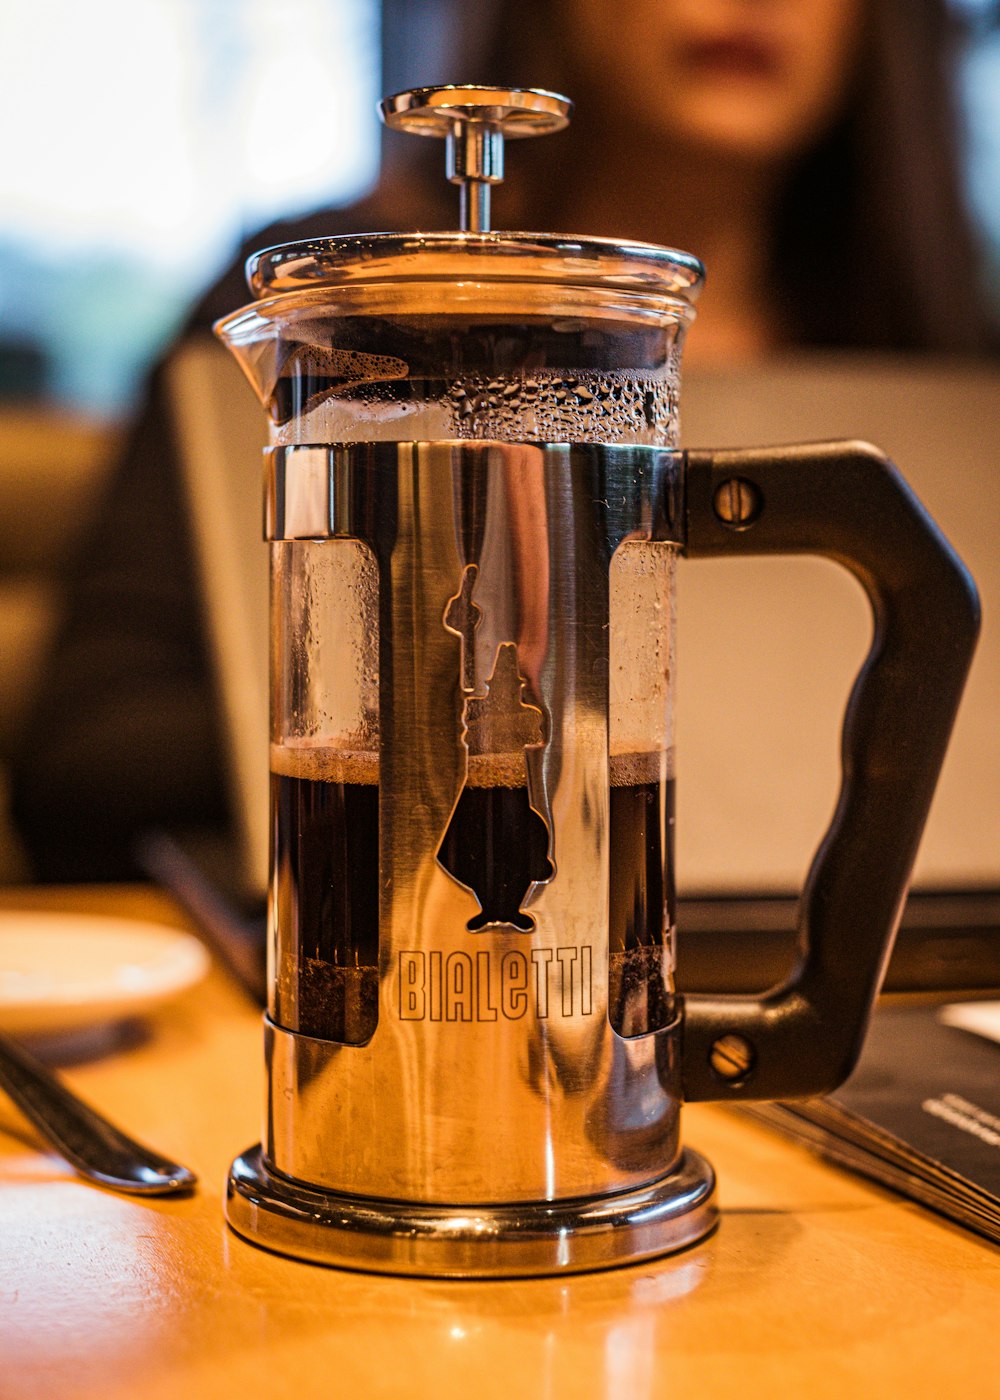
489, 986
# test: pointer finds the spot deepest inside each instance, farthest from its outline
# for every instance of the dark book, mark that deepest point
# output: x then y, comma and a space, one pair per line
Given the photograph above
920, 1114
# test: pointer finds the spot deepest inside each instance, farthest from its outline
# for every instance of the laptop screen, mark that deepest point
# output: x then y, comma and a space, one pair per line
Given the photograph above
768, 649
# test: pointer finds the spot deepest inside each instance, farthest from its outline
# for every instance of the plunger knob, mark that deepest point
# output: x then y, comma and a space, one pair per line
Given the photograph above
474, 122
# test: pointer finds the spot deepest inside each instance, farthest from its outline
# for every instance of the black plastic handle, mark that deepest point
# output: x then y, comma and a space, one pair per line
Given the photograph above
844, 500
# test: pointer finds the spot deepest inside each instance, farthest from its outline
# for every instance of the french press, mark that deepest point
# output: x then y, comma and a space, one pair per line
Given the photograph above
475, 505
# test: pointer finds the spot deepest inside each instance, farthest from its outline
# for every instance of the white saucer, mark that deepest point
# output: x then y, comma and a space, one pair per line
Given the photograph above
63, 971
981, 1017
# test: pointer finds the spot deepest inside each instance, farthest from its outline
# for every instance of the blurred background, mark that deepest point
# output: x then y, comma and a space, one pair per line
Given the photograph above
147, 140
149, 137
152, 135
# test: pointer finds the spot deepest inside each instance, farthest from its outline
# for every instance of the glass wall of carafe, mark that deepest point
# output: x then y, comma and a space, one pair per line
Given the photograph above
463, 359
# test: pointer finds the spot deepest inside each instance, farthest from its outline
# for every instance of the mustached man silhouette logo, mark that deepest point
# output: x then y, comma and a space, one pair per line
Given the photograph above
496, 843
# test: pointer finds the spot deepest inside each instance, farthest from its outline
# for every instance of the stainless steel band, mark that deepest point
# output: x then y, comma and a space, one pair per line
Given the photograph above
327, 491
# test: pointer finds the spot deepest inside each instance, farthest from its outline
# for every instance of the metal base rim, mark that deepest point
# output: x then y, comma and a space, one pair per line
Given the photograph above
476, 1241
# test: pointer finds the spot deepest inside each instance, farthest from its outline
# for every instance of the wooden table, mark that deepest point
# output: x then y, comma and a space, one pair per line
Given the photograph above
815, 1284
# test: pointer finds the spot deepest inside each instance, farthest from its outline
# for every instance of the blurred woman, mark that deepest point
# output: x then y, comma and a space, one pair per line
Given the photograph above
807, 150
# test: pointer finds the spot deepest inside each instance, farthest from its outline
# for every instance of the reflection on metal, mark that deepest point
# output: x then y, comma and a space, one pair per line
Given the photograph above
494, 1075
480, 1241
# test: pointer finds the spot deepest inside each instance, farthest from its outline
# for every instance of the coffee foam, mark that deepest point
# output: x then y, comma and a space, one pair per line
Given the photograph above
324, 763
321, 763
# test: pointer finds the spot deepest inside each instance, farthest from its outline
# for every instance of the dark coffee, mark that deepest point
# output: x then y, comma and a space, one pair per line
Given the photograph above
326, 895
642, 902
326, 885
497, 845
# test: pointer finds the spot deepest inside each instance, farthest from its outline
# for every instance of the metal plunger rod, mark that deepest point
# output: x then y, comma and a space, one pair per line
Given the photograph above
474, 207
474, 162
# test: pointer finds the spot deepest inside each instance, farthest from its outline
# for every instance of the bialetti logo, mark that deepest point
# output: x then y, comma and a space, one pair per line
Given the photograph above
488, 986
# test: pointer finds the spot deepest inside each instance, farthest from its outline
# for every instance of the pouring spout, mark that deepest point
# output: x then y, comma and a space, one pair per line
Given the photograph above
255, 341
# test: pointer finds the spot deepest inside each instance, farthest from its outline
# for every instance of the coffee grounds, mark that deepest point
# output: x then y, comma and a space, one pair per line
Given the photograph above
638, 997
337, 1003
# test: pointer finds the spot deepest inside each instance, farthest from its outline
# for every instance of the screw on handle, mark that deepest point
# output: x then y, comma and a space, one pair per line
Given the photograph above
474, 121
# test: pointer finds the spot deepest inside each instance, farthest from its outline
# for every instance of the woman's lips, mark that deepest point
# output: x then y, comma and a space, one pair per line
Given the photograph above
736, 55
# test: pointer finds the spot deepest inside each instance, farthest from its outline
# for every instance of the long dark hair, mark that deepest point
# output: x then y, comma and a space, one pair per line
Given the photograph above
874, 236
873, 243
